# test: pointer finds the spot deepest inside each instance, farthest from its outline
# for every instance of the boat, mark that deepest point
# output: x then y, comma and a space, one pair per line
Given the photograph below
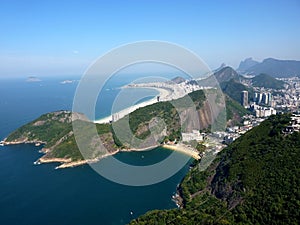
1, 143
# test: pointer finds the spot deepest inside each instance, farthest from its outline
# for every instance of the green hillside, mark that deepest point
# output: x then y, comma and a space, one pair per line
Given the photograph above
55, 131
234, 88
266, 81
255, 180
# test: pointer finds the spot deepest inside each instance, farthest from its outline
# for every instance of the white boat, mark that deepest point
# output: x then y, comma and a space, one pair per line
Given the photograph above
1, 143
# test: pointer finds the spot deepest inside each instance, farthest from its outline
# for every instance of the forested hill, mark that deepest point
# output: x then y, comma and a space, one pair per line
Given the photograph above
255, 180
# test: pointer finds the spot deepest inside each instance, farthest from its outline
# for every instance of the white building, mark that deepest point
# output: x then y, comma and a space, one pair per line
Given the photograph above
195, 135
264, 112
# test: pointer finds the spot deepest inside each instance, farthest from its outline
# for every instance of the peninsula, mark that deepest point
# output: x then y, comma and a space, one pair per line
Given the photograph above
55, 131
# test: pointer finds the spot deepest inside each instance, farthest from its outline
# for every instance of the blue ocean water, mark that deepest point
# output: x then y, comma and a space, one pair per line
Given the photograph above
39, 194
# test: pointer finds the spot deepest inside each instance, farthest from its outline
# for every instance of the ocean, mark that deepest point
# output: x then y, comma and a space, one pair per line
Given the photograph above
39, 194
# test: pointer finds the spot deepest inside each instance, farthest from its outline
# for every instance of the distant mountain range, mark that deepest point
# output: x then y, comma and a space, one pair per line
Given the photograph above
247, 64
231, 82
270, 66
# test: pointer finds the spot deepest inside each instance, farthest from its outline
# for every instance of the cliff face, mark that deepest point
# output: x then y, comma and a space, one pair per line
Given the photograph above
205, 115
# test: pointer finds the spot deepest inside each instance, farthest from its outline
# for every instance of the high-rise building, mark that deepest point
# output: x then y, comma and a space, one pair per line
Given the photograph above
244, 98
269, 99
265, 98
255, 97
259, 98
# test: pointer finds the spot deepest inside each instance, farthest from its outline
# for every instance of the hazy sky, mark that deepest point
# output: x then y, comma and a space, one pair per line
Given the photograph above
63, 37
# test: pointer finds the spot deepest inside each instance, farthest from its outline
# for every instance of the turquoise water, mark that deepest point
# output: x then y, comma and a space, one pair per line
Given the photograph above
39, 194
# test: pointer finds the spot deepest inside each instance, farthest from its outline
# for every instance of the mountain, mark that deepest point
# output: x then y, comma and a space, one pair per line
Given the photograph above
223, 65
246, 64
276, 68
226, 74
223, 75
233, 89
229, 81
178, 80
267, 81
255, 180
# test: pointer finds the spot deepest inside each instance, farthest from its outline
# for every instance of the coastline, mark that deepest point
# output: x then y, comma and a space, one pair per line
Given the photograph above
183, 149
67, 162
164, 96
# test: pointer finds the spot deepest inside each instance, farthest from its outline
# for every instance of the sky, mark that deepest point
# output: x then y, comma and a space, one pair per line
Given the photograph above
57, 38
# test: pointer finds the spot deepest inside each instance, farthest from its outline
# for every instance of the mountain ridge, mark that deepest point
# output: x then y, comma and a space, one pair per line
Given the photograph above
275, 68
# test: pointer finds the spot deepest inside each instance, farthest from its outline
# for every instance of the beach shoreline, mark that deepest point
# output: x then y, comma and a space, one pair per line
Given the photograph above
183, 149
164, 95
67, 162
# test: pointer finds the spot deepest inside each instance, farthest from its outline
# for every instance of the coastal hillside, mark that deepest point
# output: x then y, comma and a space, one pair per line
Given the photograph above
148, 126
253, 181
55, 132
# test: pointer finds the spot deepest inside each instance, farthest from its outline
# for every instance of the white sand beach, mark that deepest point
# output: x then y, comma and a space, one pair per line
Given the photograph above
184, 149
165, 95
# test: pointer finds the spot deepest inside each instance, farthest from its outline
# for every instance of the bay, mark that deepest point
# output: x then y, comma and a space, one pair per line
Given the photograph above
39, 194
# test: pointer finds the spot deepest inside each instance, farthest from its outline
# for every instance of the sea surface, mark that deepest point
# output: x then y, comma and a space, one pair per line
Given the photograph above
39, 194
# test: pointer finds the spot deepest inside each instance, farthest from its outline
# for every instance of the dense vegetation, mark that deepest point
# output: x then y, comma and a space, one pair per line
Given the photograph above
255, 180
56, 132
50, 127
234, 111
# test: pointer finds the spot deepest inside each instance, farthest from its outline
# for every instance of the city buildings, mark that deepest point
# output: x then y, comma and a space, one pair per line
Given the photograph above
244, 99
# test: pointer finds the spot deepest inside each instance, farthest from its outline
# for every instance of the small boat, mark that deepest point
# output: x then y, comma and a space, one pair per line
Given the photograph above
1, 143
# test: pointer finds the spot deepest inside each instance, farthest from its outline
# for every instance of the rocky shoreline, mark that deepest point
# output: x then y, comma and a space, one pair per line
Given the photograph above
67, 162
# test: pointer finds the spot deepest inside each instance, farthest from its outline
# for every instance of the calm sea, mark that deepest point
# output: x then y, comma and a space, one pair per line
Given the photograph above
39, 194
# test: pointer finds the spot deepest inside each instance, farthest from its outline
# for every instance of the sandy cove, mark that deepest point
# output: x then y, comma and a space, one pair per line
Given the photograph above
184, 149
67, 163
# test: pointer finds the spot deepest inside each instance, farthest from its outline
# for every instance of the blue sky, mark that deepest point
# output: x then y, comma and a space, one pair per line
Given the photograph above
45, 38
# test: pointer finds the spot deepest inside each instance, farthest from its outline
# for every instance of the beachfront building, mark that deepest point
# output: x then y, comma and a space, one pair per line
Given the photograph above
195, 135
